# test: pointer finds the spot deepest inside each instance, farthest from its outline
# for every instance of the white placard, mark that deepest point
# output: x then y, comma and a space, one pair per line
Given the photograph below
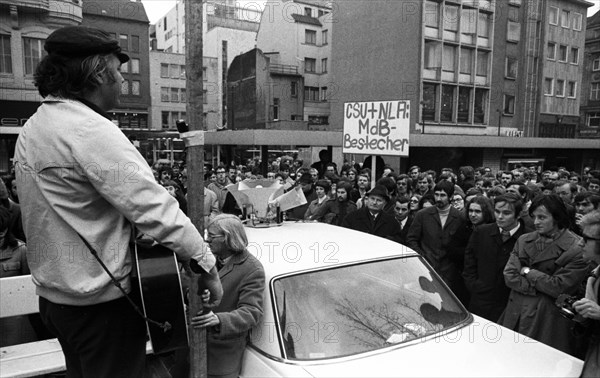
376, 128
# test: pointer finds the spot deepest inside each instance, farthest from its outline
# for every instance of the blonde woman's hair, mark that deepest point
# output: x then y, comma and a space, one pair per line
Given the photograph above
233, 230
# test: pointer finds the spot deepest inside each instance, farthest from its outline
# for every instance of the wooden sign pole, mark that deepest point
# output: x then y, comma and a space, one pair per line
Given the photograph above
195, 166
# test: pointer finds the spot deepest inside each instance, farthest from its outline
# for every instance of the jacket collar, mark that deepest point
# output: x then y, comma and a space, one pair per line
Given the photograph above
85, 102
564, 241
236, 259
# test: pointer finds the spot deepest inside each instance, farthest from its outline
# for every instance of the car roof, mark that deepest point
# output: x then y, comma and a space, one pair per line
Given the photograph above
298, 246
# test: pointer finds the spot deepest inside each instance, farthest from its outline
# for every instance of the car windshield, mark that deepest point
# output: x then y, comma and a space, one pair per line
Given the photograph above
359, 308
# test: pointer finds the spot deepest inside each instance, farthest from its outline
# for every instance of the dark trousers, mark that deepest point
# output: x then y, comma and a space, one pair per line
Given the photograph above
102, 340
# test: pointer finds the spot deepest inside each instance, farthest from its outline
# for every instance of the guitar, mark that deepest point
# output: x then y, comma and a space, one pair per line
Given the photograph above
157, 273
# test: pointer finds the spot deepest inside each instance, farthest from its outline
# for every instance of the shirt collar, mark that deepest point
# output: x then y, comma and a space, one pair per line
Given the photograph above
95, 108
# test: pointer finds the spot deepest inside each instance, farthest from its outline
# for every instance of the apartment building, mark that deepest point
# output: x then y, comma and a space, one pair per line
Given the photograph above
589, 126
484, 84
24, 26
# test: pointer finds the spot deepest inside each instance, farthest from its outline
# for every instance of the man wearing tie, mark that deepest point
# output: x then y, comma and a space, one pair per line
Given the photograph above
486, 255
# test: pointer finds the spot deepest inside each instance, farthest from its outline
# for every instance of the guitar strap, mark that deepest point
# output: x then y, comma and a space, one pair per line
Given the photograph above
165, 326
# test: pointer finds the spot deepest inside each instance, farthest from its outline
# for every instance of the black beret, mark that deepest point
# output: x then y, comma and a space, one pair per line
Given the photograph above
82, 41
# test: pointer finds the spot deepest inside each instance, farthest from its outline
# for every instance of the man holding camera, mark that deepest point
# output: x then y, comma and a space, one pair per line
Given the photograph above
81, 183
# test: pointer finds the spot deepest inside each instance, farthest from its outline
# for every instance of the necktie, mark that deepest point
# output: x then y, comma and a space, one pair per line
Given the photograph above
505, 235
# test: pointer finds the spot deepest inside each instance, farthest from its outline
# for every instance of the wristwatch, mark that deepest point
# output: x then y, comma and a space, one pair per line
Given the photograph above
526, 271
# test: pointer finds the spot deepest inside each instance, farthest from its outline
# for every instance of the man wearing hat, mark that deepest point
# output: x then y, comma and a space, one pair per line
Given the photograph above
308, 189
81, 182
372, 219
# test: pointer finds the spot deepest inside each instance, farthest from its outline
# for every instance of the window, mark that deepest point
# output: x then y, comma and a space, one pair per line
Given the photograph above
5, 55
448, 62
135, 87
125, 67
572, 89
135, 66
325, 37
135, 43
308, 12
125, 87
447, 108
429, 102
310, 37
551, 54
204, 74
548, 86
182, 71
33, 52
464, 104
560, 88
310, 65
468, 21
576, 21
205, 97
321, 13
294, 88
466, 61
574, 59
165, 24
324, 65
512, 66
451, 18
564, 18
124, 42
432, 11
433, 54
562, 53
164, 70
318, 120
480, 105
595, 92
593, 120
483, 25
482, 63
182, 95
324, 94
174, 71
596, 64
164, 94
165, 120
553, 15
513, 31
174, 95
509, 104
311, 94
275, 109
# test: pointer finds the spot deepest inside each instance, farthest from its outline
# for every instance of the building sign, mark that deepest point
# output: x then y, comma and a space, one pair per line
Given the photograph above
16, 113
376, 128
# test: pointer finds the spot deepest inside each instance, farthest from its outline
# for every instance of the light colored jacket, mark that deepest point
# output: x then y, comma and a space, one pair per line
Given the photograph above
78, 173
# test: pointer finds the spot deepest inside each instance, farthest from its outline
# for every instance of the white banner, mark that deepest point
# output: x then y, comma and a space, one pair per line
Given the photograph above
377, 128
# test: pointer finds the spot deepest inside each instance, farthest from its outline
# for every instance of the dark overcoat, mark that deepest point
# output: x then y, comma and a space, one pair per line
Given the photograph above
558, 269
385, 225
443, 248
485, 258
243, 281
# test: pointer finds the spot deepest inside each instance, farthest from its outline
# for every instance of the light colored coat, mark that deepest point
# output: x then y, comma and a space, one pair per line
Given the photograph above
78, 173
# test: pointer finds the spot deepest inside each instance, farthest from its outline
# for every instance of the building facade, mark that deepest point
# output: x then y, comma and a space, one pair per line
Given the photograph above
128, 23
297, 35
24, 26
481, 70
589, 126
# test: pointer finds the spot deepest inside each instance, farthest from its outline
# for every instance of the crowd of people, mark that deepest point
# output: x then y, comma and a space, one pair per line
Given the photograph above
507, 243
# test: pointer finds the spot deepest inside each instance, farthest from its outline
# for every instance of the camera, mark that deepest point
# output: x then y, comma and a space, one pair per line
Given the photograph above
564, 302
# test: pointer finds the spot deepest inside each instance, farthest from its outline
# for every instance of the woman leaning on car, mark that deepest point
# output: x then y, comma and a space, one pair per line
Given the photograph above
544, 264
588, 307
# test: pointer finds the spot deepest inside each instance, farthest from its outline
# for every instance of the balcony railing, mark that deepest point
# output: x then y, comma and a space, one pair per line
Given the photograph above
286, 69
32, 4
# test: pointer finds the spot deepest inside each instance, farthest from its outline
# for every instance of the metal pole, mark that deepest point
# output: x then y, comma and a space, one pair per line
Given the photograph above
195, 164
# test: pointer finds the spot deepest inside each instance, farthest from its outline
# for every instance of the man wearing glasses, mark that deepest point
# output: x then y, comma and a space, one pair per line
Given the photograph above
220, 186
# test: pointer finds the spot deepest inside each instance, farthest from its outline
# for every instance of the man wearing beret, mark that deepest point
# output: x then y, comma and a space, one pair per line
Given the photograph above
81, 182
372, 219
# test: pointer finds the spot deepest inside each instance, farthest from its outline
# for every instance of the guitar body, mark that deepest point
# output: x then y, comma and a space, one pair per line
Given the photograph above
161, 296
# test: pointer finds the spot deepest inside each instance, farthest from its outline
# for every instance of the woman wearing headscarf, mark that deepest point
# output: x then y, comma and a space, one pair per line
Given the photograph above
544, 264
243, 280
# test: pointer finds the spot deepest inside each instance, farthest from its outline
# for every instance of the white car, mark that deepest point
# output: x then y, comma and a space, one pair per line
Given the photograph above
341, 303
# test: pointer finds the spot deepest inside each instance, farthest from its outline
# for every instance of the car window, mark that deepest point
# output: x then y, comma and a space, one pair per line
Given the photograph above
358, 308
